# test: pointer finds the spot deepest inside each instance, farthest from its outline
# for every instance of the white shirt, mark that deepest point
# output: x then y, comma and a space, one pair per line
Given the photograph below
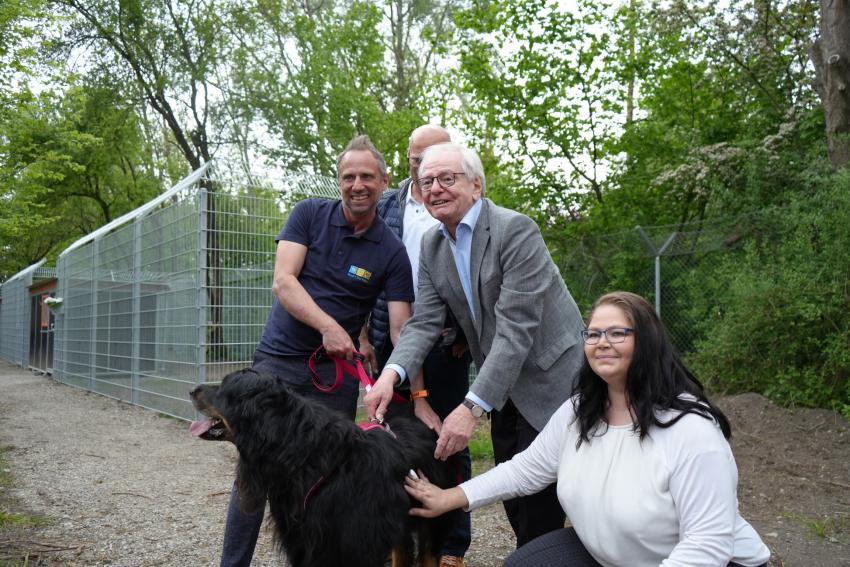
416, 222
668, 500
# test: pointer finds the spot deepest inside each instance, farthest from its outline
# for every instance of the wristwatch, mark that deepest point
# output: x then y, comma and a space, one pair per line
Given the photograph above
477, 411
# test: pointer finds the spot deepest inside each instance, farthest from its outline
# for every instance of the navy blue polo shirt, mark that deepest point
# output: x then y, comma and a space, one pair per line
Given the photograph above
344, 273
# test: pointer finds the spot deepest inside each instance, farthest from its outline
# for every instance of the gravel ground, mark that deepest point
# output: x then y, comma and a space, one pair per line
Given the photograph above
123, 486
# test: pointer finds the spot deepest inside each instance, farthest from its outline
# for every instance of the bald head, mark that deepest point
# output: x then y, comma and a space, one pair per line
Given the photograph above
420, 139
429, 134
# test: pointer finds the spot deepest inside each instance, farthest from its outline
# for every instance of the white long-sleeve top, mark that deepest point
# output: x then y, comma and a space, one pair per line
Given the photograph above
668, 500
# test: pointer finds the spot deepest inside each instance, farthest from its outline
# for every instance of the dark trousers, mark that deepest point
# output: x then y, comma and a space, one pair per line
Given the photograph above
242, 529
530, 516
561, 548
447, 381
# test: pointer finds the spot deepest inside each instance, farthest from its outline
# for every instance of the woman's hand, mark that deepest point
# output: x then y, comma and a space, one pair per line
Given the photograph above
435, 501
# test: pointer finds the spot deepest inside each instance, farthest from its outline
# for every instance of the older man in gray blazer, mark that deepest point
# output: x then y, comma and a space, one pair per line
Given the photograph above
490, 266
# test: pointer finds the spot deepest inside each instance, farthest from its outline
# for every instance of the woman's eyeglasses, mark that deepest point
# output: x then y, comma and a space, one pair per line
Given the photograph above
613, 334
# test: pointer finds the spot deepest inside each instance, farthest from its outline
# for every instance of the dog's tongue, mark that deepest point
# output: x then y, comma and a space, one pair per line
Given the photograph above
200, 427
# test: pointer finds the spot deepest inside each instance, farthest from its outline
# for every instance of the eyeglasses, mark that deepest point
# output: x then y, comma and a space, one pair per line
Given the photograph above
415, 160
446, 179
613, 334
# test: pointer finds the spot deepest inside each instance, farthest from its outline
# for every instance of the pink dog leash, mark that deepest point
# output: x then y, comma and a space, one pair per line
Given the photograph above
343, 367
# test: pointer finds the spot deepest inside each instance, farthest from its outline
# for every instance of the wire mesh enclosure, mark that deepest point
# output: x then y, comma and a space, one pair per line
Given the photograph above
175, 293
670, 265
15, 315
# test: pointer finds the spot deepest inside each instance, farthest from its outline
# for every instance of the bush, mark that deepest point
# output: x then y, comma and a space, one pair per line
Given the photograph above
779, 323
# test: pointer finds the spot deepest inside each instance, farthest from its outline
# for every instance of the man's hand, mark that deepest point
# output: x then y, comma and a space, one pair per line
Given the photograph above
336, 341
378, 398
368, 352
426, 414
456, 432
459, 349
370, 361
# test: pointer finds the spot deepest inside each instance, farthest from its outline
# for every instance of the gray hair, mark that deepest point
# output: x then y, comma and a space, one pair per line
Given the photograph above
362, 143
470, 162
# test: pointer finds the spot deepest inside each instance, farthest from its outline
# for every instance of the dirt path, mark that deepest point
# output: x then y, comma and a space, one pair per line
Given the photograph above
122, 486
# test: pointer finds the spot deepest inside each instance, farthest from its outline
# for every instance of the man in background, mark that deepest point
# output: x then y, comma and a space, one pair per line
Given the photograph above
444, 380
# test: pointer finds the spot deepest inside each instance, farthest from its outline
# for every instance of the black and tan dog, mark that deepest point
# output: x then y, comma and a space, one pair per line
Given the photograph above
335, 491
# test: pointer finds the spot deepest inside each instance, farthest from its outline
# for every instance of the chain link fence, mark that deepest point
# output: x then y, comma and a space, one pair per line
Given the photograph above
665, 264
15, 315
175, 293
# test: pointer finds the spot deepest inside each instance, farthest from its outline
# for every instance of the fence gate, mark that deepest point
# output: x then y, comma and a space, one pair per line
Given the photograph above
42, 327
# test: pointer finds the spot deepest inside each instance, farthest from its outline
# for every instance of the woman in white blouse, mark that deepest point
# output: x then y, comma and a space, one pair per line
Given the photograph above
644, 470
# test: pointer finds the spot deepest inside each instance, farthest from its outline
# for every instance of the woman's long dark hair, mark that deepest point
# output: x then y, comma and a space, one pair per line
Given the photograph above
655, 381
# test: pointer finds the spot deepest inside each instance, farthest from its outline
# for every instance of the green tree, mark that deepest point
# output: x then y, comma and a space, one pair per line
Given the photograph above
18, 40
315, 75
167, 52
68, 164
539, 87
773, 316
715, 83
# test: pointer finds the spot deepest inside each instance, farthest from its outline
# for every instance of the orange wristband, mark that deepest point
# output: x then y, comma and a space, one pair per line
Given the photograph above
418, 394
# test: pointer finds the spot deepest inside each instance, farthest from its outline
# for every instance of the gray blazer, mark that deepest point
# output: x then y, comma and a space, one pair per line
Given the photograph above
525, 337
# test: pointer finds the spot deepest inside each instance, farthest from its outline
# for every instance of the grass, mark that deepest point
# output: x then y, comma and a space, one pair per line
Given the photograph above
13, 525
836, 528
20, 520
480, 445
10, 519
5, 475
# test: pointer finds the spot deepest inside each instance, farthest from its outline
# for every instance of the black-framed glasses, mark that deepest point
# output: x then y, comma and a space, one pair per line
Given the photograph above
613, 334
446, 179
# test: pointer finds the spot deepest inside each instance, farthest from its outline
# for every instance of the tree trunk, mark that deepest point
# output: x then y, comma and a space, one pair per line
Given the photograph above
830, 54
630, 83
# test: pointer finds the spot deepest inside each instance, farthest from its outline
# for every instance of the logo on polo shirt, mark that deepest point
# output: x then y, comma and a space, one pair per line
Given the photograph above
359, 273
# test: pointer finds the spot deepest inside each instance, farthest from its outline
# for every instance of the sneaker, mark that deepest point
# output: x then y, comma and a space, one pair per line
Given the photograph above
451, 561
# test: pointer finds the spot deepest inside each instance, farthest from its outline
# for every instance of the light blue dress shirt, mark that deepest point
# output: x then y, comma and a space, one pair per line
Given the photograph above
462, 250
461, 247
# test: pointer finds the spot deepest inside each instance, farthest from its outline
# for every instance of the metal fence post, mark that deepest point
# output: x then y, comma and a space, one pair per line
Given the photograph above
24, 321
202, 201
137, 308
93, 330
657, 252
58, 330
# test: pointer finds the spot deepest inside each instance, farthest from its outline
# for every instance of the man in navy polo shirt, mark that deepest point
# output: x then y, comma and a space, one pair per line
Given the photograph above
333, 260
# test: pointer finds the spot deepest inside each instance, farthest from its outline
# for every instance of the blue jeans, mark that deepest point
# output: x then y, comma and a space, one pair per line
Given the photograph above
240, 533
447, 381
242, 529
